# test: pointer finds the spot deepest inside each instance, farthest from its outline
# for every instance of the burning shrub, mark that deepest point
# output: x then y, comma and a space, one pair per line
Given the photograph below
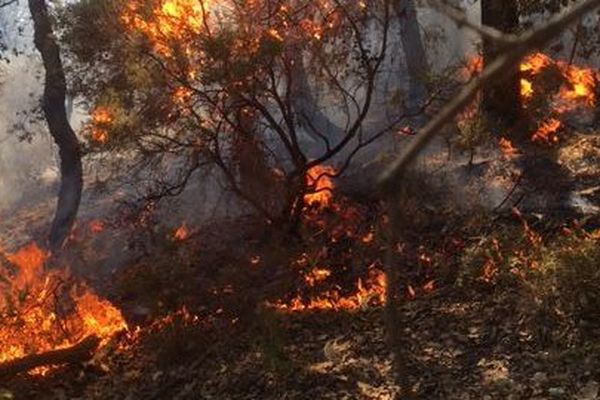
47, 310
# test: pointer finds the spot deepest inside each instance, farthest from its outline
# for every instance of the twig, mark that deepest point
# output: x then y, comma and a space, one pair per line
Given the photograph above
495, 71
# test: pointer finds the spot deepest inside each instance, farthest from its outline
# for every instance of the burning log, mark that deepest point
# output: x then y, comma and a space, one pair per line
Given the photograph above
82, 351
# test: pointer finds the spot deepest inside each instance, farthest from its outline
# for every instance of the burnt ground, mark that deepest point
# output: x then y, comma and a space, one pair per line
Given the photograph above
525, 330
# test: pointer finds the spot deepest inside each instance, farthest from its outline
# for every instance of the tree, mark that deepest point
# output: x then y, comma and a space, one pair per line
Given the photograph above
53, 105
414, 51
502, 100
179, 79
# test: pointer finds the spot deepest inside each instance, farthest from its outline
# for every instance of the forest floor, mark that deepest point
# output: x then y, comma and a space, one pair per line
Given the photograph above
500, 306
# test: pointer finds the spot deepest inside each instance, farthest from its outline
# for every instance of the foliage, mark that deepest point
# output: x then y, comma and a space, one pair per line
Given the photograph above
193, 84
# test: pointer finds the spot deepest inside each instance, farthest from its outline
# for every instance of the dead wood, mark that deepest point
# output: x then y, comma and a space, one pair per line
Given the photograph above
80, 352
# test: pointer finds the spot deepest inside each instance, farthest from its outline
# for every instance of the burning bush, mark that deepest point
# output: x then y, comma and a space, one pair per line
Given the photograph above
44, 310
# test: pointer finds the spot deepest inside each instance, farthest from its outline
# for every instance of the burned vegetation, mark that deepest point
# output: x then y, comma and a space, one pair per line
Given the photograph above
299, 199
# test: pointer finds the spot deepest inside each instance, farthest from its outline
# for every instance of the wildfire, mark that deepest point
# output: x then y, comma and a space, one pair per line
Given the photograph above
578, 89
507, 148
319, 182
370, 292
96, 226
181, 233
41, 311
547, 132
101, 119
171, 23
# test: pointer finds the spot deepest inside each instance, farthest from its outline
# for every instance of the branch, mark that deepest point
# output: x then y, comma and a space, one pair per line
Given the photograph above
494, 72
8, 3
80, 352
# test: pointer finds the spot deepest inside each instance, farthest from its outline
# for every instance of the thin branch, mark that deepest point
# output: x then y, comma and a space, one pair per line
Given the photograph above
8, 3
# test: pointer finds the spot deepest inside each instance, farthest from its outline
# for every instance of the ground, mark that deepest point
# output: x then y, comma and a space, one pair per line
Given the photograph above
496, 308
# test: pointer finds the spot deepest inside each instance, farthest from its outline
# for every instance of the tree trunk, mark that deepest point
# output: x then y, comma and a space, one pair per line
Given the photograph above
53, 104
309, 113
501, 100
414, 52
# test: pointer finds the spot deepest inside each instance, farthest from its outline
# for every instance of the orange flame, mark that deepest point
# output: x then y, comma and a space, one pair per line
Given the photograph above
31, 312
319, 182
181, 233
371, 292
547, 132
507, 148
101, 119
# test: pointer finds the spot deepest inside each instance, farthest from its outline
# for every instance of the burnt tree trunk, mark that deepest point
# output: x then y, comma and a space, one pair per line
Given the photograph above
501, 100
53, 104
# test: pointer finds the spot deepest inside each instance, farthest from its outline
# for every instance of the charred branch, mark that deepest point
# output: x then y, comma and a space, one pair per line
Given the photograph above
82, 351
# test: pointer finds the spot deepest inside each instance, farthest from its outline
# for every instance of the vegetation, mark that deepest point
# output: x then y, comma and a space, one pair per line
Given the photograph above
258, 202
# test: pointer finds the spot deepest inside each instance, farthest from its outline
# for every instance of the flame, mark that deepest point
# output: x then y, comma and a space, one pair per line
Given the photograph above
370, 292
171, 23
316, 275
319, 182
40, 312
547, 132
101, 118
507, 148
181, 233
579, 88
96, 226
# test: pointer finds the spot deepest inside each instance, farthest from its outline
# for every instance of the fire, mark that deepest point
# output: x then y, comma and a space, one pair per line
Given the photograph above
507, 148
181, 233
316, 275
171, 23
547, 132
96, 226
44, 310
320, 184
578, 89
101, 118
581, 85
370, 292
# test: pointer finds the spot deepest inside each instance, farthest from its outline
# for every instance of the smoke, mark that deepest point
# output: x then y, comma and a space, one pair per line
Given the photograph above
26, 166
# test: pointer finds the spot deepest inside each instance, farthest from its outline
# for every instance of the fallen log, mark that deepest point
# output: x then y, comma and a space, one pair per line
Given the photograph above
79, 352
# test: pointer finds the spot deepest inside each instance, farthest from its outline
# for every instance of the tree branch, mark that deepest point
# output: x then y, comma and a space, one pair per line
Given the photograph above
80, 352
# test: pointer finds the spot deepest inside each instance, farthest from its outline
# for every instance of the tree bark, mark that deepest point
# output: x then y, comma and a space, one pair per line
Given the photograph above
309, 113
501, 99
53, 104
414, 52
